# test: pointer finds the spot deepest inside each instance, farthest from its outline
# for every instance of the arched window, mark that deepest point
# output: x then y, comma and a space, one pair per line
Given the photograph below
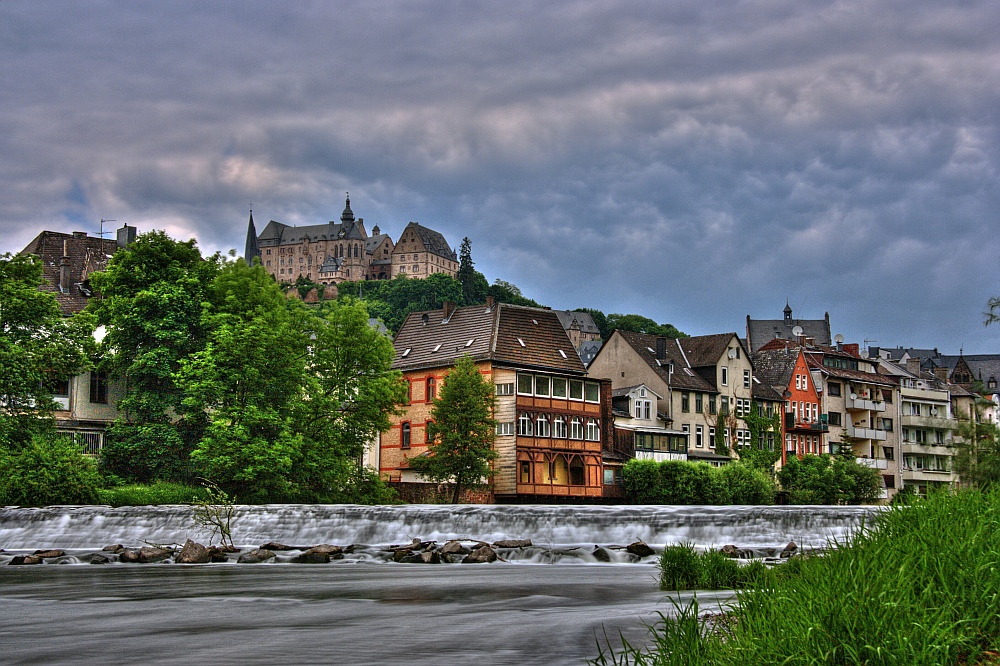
593, 430
559, 427
405, 439
542, 426
576, 428
357, 250
524, 428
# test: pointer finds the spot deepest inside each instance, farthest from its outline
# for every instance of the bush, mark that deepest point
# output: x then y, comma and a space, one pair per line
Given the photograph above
747, 485
680, 482
829, 480
161, 492
145, 453
49, 470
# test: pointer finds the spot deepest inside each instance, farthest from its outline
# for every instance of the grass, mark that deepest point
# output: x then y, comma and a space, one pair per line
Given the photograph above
160, 492
918, 586
683, 568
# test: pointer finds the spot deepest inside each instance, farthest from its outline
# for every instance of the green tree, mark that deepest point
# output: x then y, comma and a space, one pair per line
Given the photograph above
640, 324
50, 469
151, 305
977, 455
505, 292
828, 479
38, 346
475, 288
761, 454
463, 430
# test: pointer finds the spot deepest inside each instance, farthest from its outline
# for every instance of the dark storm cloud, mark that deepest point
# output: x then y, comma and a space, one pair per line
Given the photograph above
694, 162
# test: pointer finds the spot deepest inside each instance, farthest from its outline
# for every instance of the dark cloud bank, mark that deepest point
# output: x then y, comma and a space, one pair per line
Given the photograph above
693, 162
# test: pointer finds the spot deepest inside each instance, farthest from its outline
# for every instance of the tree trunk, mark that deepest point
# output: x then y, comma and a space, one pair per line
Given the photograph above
458, 491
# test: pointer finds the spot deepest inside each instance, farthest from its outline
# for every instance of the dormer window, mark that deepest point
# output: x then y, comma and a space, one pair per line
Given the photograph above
469, 343
562, 353
521, 342
406, 352
436, 347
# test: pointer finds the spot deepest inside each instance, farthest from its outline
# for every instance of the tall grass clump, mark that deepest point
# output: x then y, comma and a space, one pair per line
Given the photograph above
161, 492
918, 586
680, 568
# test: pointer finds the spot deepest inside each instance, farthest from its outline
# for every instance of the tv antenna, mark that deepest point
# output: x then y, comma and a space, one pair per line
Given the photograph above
102, 232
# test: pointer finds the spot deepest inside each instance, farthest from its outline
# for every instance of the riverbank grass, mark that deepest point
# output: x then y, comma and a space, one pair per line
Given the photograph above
161, 492
920, 585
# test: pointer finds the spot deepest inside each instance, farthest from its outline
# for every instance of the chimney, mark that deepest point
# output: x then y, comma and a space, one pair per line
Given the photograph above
941, 373
64, 268
661, 348
449, 310
913, 366
126, 235
490, 303
854, 349
79, 234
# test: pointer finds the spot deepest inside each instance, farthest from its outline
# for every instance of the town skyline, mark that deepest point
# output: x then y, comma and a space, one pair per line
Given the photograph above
693, 164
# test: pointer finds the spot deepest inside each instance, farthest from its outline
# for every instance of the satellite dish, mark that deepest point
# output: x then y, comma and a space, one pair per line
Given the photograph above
732, 353
797, 331
839, 339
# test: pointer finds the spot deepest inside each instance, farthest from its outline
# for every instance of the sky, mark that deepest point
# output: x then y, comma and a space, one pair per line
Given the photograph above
690, 161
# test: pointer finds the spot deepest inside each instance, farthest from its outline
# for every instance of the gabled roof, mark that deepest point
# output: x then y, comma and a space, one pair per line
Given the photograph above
588, 350
762, 391
761, 331
815, 362
581, 321
775, 367
372, 242
86, 255
706, 350
506, 334
433, 241
683, 377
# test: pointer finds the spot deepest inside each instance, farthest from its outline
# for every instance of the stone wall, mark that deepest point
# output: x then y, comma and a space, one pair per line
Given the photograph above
440, 493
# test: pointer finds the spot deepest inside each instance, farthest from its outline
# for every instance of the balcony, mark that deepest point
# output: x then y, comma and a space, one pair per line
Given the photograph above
935, 422
874, 463
866, 433
924, 394
857, 403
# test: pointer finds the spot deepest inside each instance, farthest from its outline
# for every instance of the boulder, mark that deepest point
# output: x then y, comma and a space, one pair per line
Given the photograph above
640, 549
99, 559
454, 548
312, 557
150, 554
219, 554
193, 553
481, 555
789, 550
411, 558
601, 555
730, 550
46, 554
115, 549
430, 557
328, 549
25, 559
129, 555
513, 543
256, 556
274, 545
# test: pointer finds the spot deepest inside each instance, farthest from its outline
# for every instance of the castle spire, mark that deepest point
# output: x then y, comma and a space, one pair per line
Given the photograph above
251, 250
348, 214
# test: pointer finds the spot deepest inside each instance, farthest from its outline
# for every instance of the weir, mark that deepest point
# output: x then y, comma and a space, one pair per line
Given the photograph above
753, 527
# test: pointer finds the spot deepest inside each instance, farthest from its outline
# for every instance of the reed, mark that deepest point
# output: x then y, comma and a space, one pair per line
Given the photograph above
919, 585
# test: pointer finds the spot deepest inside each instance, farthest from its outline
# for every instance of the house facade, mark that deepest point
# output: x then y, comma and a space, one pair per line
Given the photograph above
552, 420
641, 429
421, 252
804, 424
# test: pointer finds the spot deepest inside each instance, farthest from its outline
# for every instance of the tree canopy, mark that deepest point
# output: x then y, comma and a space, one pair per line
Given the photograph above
608, 324
828, 479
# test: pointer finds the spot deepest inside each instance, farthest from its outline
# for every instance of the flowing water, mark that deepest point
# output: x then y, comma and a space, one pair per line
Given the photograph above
547, 604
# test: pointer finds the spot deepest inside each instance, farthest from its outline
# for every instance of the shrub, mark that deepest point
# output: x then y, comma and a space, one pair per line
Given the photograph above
680, 482
51, 469
747, 485
718, 572
161, 492
679, 568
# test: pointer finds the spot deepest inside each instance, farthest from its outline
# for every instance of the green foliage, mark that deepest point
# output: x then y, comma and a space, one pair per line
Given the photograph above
214, 512
475, 288
718, 572
679, 567
681, 482
919, 586
505, 292
829, 480
37, 345
758, 455
721, 448
977, 456
161, 492
145, 452
462, 429
50, 469
392, 300
640, 324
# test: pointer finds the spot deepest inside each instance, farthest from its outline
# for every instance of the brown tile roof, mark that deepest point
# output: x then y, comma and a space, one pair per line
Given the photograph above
87, 255
775, 367
428, 340
683, 378
855, 375
706, 350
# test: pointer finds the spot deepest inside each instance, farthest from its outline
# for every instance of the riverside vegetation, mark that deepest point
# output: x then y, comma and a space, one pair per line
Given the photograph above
918, 586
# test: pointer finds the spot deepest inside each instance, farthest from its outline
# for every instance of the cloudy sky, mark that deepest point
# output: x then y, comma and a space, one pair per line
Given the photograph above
694, 162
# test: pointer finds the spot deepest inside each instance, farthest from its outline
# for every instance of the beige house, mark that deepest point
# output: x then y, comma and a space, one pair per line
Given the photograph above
421, 252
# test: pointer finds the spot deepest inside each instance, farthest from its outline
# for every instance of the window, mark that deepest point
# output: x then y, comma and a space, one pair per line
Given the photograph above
558, 387
505, 428
505, 389
833, 388
98, 387
609, 476
699, 402
576, 428
592, 391
427, 432
525, 384
575, 389
725, 376
524, 428
542, 426
711, 404
746, 379
889, 452
699, 436
542, 385
405, 441
525, 471
685, 402
430, 395
798, 382
559, 427
593, 431
711, 434
725, 405
887, 425
834, 418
